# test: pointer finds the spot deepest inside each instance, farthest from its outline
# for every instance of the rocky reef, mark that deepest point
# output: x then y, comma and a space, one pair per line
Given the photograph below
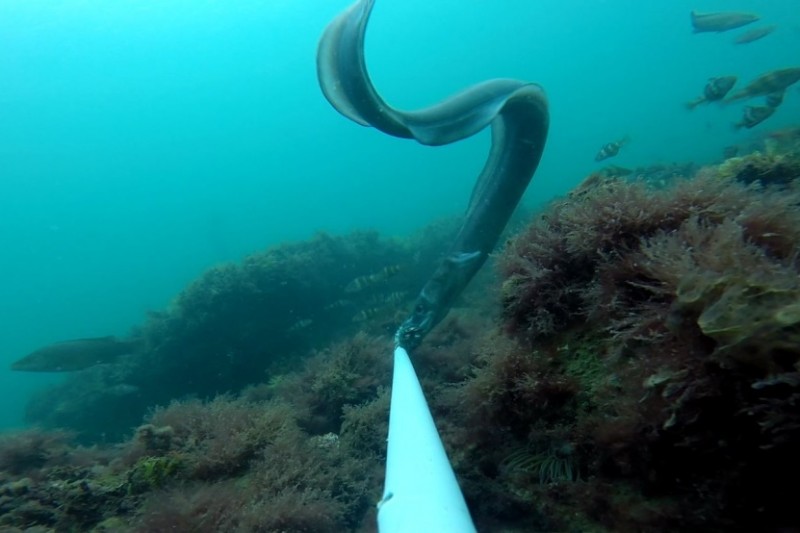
240, 324
241, 463
646, 376
630, 363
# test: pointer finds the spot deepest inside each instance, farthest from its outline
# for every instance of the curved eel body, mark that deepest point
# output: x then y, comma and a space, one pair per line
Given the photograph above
518, 114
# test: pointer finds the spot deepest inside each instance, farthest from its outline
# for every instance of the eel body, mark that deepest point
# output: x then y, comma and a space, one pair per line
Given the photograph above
517, 112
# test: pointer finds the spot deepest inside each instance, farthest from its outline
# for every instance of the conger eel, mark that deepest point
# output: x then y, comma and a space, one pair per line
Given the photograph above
518, 114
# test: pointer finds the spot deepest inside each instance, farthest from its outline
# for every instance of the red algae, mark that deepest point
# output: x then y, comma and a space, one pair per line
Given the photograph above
635, 368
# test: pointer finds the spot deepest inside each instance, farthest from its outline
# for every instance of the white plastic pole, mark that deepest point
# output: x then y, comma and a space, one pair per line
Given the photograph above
421, 493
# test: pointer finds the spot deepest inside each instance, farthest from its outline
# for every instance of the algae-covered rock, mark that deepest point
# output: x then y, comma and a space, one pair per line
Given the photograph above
756, 322
151, 473
766, 167
238, 323
660, 327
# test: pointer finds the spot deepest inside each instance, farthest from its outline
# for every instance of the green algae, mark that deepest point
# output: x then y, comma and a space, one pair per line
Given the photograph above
150, 473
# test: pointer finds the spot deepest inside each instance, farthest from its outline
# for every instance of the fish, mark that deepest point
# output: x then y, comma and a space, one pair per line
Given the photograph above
775, 99
754, 115
393, 298
516, 111
754, 34
464, 257
785, 134
366, 314
715, 90
341, 303
364, 282
610, 149
771, 82
300, 325
76, 354
721, 21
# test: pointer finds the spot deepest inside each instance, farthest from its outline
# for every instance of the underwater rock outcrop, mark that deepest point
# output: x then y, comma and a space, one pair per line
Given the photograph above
239, 323
303, 452
652, 366
768, 166
636, 368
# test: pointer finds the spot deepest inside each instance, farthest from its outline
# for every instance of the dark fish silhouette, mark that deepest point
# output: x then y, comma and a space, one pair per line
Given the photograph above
714, 91
773, 81
719, 22
754, 34
786, 134
775, 99
754, 115
77, 354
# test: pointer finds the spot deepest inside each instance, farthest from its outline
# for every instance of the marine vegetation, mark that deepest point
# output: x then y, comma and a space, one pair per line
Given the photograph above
232, 463
238, 324
632, 364
654, 334
768, 166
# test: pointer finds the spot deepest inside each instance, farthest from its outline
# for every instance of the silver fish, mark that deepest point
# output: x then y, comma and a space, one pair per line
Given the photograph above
722, 21
77, 354
754, 34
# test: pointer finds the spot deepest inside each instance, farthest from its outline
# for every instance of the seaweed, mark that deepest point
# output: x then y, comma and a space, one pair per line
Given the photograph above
237, 325
632, 364
673, 311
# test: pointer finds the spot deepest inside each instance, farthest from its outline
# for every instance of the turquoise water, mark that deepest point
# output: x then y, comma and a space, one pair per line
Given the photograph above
142, 142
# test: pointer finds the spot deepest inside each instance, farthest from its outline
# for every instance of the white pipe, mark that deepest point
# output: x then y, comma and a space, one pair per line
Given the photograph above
421, 492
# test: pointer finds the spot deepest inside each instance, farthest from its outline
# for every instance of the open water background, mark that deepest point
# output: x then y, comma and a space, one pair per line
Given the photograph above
142, 142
